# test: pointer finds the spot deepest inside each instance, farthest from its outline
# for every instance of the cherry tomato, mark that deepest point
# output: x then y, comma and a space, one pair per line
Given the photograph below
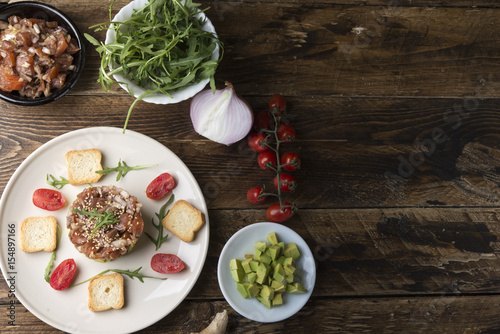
63, 274
287, 182
286, 132
253, 195
276, 215
48, 199
262, 120
160, 186
290, 161
277, 102
258, 142
267, 159
166, 263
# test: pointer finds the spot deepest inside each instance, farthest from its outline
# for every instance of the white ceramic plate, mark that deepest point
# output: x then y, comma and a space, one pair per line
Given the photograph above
243, 242
178, 95
145, 303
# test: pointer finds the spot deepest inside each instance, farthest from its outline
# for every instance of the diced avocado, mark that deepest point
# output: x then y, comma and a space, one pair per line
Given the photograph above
275, 284
262, 273
248, 256
265, 258
252, 290
282, 246
267, 292
289, 270
292, 251
280, 260
235, 264
274, 251
279, 273
238, 275
277, 300
272, 238
288, 262
242, 290
246, 265
257, 254
254, 265
289, 278
281, 288
261, 246
291, 288
299, 288
266, 302
251, 277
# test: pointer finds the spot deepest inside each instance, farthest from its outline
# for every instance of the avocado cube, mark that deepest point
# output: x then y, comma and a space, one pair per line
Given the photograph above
254, 265
266, 292
292, 251
257, 254
282, 246
265, 302
289, 278
262, 273
246, 265
272, 238
299, 288
281, 288
265, 258
235, 264
274, 252
280, 260
291, 288
275, 284
242, 290
238, 275
251, 277
261, 246
288, 261
252, 290
279, 273
289, 270
277, 300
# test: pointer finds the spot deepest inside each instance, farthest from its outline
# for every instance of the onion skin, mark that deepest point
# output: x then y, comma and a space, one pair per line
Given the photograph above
222, 117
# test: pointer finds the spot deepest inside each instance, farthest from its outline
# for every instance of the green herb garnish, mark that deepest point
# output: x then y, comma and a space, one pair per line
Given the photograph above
128, 273
122, 169
105, 219
55, 182
48, 269
159, 226
161, 48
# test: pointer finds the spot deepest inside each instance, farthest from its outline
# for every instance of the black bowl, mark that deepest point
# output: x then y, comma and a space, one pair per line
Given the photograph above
31, 9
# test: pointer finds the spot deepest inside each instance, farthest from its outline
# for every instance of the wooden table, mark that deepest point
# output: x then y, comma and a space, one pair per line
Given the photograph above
395, 108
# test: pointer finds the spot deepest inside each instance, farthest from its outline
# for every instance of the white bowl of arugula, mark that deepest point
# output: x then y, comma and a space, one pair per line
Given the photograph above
160, 51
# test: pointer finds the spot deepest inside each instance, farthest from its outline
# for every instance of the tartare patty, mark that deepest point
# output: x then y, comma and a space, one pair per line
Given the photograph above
111, 240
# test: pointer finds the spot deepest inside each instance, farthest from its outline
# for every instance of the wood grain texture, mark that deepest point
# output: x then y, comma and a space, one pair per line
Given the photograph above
395, 106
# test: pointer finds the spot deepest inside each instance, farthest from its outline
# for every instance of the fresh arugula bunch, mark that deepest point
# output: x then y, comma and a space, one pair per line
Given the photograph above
161, 48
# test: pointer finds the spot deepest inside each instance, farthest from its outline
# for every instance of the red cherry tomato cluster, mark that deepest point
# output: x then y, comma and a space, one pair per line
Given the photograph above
271, 131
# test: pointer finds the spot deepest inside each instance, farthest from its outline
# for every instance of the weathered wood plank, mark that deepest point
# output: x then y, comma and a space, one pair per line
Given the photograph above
332, 49
356, 152
377, 252
442, 314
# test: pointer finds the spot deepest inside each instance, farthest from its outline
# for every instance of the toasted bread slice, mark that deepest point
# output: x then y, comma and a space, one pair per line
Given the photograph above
106, 292
39, 234
183, 220
82, 166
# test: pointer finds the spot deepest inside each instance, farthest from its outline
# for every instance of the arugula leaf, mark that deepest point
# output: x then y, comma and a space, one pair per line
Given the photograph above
122, 169
55, 182
161, 48
160, 239
105, 219
48, 269
131, 274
